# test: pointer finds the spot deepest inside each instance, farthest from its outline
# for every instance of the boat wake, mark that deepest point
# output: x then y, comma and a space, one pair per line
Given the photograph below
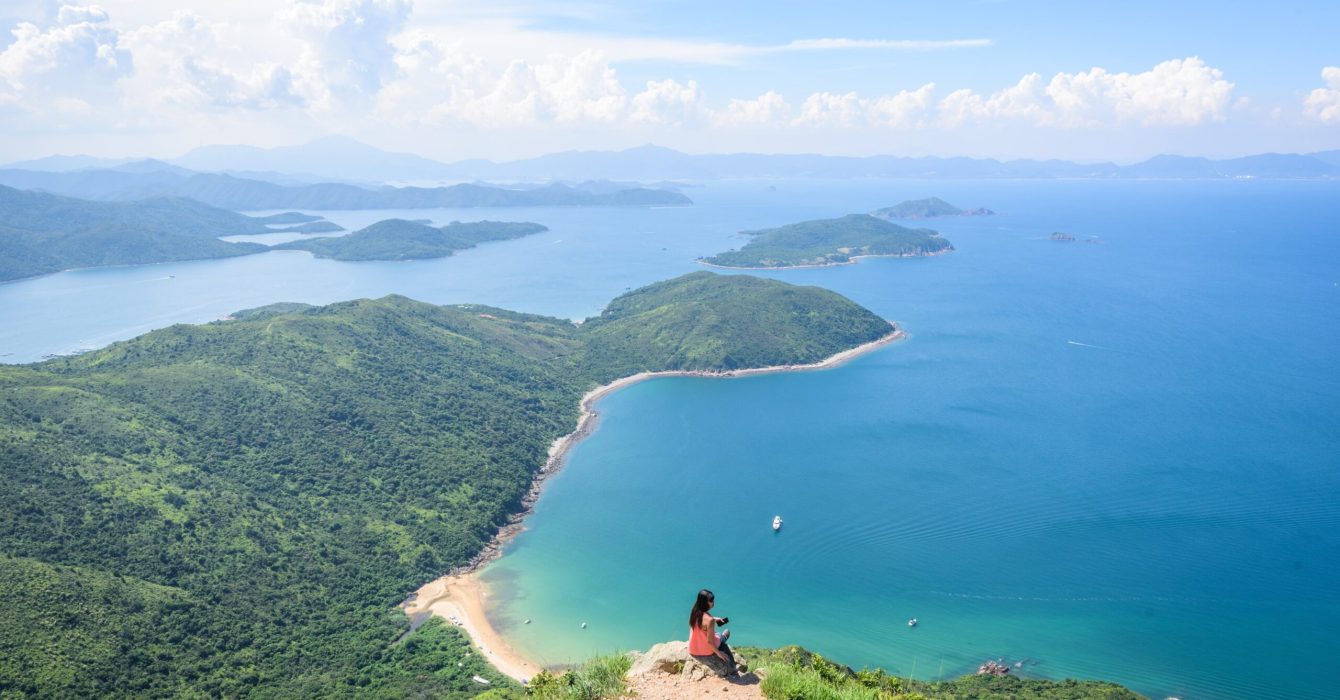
1088, 345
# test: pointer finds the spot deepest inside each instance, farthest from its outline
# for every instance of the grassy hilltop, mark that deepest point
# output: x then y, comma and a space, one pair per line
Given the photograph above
236, 508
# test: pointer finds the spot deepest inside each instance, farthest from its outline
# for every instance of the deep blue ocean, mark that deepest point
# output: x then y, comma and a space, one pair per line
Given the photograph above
1115, 460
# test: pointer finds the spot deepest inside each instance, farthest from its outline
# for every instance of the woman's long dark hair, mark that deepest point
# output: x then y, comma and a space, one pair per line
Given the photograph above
700, 607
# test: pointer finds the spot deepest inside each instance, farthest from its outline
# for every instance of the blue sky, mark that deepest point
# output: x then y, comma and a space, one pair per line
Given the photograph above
454, 79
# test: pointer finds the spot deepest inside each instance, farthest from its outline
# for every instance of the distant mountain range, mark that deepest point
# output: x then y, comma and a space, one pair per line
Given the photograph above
656, 163
344, 160
145, 179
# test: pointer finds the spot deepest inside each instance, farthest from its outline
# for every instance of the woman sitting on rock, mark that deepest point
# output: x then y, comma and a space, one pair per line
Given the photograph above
703, 639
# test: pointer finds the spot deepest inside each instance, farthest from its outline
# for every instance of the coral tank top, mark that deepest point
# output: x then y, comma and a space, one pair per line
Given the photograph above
700, 643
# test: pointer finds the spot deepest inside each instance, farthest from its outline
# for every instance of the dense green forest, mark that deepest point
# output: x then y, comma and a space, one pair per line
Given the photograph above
236, 508
695, 322
925, 209
41, 233
830, 242
398, 239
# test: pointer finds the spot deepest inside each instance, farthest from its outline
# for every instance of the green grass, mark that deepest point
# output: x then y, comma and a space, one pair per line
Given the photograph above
600, 678
250, 499
792, 673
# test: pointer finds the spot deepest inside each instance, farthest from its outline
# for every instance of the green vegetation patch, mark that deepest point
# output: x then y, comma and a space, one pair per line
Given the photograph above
249, 500
45, 233
793, 673
600, 678
705, 321
918, 209
398, 239
830, 242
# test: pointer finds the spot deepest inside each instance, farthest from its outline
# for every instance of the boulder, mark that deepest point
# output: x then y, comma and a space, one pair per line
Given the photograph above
667, 657
697, 668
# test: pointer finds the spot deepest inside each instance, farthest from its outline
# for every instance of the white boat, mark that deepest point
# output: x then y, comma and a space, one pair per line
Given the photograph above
912, 622
776, 523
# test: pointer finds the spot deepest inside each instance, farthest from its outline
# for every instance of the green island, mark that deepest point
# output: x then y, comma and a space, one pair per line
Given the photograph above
236, 508
42, 233
398, 239
288, 217
830, 242
312, 227
925, 209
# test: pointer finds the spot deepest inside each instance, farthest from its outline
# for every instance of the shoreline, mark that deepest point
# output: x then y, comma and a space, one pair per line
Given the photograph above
850, 261
460, 601
458, 597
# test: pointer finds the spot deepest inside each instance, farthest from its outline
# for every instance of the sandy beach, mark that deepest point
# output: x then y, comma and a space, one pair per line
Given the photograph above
460, 601
460, 596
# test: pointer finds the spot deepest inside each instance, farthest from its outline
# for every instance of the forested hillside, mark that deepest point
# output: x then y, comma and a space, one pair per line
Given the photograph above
236, 508
41, 233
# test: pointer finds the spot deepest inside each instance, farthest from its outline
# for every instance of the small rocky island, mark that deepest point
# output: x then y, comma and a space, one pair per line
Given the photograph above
398, 239
824, 242
927, 208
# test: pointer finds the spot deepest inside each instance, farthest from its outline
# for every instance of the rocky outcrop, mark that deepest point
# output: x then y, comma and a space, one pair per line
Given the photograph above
700, 667
667, 658
672, 658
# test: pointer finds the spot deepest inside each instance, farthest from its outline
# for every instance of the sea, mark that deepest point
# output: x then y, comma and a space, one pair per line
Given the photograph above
1112, 458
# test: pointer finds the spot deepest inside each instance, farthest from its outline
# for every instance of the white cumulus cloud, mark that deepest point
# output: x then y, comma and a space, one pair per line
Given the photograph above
668, 102
831, 109
177, 63
77, 58
1183, 92
439, 84
907, 108
347, 44
1323, 104
768, 109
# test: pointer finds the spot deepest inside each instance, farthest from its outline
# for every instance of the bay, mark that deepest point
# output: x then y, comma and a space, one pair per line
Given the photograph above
1106, 460
1110, 460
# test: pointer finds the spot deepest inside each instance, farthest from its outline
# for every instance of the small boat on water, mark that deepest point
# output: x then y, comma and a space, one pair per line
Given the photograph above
776, 523
912, 622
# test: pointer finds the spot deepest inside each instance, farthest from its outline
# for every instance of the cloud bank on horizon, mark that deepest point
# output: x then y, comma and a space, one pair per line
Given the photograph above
163, 78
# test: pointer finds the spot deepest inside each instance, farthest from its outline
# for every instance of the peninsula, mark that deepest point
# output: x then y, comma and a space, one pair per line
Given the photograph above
42, 233
926, 209
826, 242
398, 239
235, 508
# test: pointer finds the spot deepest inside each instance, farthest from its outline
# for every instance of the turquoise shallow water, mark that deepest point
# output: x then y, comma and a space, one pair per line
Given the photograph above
1113, 460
